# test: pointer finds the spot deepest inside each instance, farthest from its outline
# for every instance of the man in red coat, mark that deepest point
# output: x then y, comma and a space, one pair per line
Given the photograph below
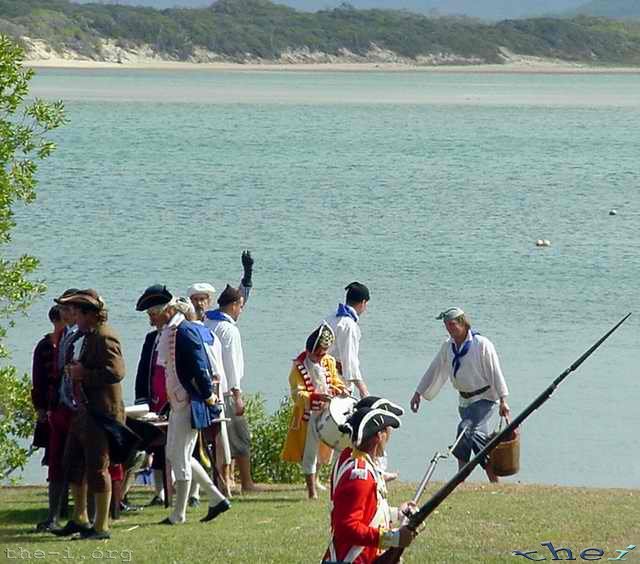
361, 517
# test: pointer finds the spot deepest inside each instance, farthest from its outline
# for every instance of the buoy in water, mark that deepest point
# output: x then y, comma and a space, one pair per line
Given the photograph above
613, 212
543, 243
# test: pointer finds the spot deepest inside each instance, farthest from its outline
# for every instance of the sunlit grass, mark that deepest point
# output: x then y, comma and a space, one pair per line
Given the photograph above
477, 523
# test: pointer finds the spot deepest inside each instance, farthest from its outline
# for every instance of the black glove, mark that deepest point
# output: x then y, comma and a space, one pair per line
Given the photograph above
247, 265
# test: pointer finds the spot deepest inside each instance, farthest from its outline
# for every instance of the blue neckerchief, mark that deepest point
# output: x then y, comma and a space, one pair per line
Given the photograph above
205, 333
457, 355
346, 311
216, 315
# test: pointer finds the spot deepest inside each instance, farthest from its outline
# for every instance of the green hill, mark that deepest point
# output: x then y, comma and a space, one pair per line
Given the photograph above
615, 9
254, 30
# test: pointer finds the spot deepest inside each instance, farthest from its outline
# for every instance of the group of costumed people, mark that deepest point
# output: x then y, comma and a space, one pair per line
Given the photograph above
191, 366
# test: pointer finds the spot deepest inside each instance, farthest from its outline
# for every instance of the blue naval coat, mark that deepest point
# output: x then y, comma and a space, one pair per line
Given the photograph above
143, 374
195, 371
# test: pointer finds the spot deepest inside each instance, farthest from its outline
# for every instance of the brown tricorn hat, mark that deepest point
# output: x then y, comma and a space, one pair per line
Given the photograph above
84, 297
66, 294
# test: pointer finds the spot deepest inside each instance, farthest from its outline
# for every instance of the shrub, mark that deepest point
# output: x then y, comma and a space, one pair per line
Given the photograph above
268, 433
23, 142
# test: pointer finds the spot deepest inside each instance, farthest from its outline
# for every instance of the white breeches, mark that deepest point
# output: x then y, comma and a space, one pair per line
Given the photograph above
181, 440
312, 441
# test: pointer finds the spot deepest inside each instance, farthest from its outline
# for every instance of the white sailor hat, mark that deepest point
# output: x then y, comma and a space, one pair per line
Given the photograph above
202, 288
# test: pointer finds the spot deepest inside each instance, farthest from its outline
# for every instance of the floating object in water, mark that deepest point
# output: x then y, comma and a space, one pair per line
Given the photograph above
543, 243
613, 212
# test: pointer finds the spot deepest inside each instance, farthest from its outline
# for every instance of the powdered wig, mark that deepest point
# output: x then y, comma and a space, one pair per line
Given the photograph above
185, 307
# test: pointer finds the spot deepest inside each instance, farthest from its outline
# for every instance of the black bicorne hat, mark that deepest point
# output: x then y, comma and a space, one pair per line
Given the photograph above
366, 422
380, 403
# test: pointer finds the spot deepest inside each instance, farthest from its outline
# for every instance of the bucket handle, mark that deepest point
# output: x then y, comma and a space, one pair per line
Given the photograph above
505, 420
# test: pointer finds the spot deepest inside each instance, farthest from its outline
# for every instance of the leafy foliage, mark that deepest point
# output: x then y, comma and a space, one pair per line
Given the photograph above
268, 433
243, 29
23, 142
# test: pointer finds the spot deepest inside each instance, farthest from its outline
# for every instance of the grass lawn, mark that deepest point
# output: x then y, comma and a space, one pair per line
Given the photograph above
477, 523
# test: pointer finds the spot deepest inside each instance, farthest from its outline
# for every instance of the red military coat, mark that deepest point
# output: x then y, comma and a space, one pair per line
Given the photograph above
360, 515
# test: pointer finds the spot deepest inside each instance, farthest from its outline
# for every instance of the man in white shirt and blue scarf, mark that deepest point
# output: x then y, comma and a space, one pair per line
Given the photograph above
470, 361
346, 349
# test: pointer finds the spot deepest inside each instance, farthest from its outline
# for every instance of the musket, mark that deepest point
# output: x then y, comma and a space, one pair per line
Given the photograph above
432, 466
392, 555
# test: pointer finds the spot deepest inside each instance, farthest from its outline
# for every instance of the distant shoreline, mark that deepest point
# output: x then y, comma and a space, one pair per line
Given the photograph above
508, 68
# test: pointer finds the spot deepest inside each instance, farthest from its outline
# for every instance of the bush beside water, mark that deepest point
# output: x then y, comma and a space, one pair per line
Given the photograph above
268, 432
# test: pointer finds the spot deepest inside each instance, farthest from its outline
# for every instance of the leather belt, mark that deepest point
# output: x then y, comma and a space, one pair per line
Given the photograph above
468, 395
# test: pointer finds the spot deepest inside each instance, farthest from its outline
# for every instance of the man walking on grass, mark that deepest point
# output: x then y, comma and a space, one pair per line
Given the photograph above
470, 361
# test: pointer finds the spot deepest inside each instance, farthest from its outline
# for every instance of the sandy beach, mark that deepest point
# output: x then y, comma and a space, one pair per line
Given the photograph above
532, 66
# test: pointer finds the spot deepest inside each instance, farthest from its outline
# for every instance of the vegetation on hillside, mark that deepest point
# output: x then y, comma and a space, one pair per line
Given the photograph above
242, 30
616, 9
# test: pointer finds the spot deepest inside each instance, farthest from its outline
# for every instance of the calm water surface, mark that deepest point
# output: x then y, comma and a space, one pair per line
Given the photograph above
430, 188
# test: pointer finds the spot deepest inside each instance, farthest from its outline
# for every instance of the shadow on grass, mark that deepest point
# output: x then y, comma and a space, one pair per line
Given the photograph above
257, 499
27, 535
24, 516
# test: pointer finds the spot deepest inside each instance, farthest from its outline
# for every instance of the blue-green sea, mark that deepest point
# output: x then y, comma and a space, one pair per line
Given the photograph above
431, 188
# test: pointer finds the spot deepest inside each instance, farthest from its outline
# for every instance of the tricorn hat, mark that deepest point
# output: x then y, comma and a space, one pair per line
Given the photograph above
67, 293
89, 297
153, 296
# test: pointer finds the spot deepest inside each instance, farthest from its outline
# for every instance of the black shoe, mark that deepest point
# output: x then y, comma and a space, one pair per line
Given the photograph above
213, 512
92, 534
157, 500
46, 526
193, 502
71, 528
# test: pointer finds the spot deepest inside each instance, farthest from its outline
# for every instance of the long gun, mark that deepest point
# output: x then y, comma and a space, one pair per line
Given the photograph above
392, 555
432, 466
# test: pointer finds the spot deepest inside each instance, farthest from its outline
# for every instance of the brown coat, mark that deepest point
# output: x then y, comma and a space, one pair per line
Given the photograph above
102, 358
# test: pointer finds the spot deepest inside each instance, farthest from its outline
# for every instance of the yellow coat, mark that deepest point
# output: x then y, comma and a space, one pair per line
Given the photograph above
301, 395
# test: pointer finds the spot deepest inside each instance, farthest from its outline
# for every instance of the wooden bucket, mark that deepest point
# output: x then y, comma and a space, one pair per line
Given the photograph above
505, 458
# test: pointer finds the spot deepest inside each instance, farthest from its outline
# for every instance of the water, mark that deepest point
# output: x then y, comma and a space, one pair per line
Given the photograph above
430, 188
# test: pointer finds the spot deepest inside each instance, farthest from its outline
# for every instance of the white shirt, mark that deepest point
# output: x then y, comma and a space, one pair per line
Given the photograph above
214, 352
480, 367
346, 348
228, 334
